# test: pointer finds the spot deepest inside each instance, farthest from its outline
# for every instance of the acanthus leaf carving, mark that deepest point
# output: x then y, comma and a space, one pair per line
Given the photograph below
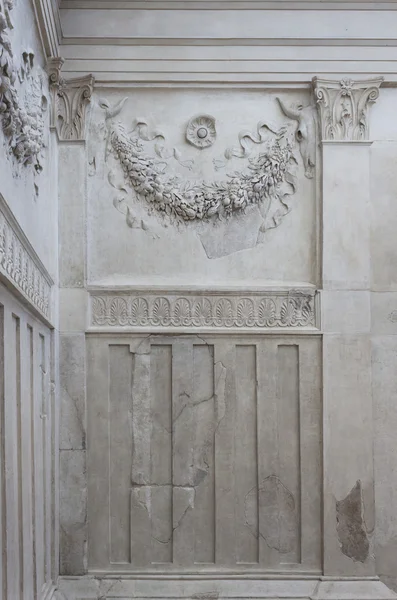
344, 107
70, 98
273, 309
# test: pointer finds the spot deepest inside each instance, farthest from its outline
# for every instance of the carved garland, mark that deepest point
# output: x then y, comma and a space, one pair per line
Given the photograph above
22, 122
268, 179
294, 309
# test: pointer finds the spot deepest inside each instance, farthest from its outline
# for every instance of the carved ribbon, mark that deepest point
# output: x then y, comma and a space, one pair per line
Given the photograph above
245, 148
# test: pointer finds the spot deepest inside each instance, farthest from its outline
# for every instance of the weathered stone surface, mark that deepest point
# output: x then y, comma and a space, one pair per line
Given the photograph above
72, 390
350, 525
73, 514
276, 504
171, 487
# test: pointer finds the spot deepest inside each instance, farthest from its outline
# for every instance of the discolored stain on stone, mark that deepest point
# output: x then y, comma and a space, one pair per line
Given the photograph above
277, 510
350, 525
393, 316
369, 507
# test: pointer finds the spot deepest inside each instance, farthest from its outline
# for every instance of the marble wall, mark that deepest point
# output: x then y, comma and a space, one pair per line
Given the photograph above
225, 313
29, 443
217, 337
383, 302
28, 438
207, 465
204, 251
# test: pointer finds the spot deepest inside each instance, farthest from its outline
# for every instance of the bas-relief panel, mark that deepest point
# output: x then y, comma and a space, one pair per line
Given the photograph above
190, 186
196, 459
27, 158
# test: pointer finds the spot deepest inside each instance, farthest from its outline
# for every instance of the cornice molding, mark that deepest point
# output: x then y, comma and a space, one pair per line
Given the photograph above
49, 25
228, 5
158, 42
20, 267
118, 40
69, 102
249, 25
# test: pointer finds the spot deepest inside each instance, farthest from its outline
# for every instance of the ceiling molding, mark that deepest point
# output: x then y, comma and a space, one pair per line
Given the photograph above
227, 26
232, 64
252, 42
228, 5
235, 42
49, 24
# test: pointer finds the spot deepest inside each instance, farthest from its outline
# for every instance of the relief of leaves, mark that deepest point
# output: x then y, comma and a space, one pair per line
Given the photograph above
202, 312
288, 315
161, 312
266, 313
181, 314
139, 311
118, 312
189, 201
224, 313
245, 313
304, 311
98, 311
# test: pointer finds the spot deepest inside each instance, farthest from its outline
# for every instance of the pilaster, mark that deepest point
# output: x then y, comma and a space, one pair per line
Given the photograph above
70, 102
349, 506
70, 98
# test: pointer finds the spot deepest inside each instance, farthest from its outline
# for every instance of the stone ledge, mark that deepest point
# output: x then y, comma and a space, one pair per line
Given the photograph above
304, 587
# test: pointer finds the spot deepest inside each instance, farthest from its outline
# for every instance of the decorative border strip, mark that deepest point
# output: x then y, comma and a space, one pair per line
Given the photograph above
353, 5
20, 264
270, 309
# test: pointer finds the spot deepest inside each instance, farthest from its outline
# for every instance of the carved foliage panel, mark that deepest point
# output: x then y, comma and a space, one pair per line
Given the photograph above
202, 186
195, 453
293, 309
23, 101
20, 265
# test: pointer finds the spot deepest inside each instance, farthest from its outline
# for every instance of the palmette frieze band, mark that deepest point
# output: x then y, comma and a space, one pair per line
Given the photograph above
295, 309
20, 265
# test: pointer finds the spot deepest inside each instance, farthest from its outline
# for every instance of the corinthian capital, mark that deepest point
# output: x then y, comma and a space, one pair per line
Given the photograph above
69, 101
344, 107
